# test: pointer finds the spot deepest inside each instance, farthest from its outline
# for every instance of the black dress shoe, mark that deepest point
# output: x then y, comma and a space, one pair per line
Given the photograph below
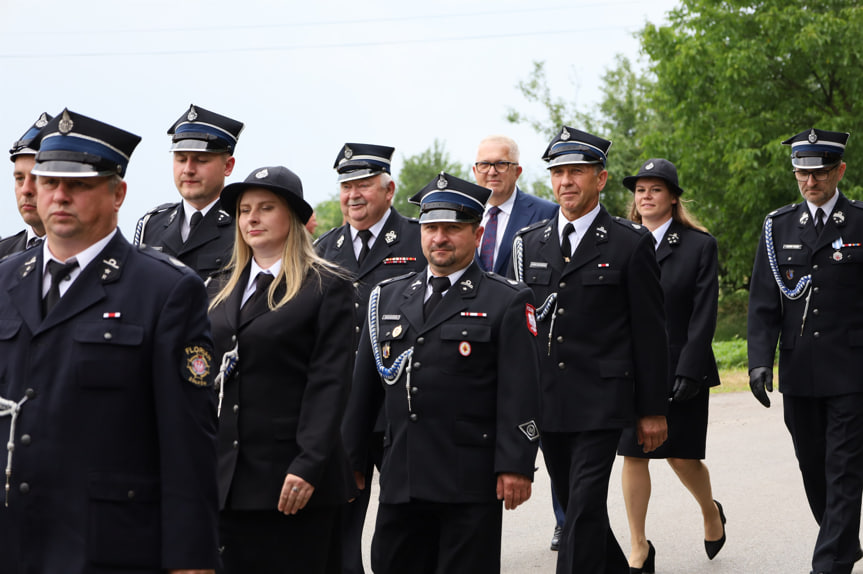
649, 565
712, 547
555, 538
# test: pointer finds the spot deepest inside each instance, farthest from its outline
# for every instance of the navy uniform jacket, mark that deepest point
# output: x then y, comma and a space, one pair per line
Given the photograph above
687, 259
13, 243
208, 247
397, 251
820, 348
115, 450
605, 361
473, 390
526, 209
283, 406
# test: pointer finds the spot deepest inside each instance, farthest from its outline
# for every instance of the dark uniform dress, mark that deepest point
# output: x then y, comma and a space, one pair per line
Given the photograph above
208, 247
603, 363
688, 264
820, 336
464, 413
395, 252
115, 448
281, 413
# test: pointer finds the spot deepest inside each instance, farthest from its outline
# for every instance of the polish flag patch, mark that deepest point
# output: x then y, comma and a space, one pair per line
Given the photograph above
530, 314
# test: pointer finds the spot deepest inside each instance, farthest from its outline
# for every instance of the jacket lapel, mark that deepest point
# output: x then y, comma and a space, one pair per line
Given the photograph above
457, 297
89, 288
172, 242
26, 293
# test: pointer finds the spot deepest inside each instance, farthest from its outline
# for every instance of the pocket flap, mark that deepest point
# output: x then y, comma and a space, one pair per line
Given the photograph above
109, 333
466, 332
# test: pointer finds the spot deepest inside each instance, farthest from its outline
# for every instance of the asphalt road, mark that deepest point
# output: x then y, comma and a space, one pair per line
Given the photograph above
754, 474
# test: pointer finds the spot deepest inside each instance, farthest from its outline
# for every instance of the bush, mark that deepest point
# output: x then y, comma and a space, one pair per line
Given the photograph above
730, 354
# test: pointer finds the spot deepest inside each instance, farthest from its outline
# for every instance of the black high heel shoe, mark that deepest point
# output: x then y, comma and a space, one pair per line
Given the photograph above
649, 566
712, 547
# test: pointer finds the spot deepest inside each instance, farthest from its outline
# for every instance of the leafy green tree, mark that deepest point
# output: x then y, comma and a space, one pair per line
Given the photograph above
622, 118
733, 79
328, 214
726, 82
417, 170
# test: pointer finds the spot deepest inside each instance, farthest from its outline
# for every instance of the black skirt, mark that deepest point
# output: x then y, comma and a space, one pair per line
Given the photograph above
687, 432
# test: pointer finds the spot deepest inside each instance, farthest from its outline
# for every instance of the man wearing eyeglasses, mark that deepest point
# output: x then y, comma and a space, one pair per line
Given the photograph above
509, 208
805, 294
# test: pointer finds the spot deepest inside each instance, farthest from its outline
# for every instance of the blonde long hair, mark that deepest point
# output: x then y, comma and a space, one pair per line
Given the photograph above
298, 258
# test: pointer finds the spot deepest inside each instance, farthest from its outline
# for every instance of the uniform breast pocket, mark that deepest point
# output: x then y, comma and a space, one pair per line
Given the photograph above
793, 264
601, 277
537, 276
124, 521
467, 349
210, 262
9, 329
107, 354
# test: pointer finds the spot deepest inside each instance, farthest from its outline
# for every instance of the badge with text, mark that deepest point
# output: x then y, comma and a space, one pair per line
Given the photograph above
197, 367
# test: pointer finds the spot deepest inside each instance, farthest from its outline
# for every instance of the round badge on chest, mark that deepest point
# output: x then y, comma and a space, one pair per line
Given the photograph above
464, 349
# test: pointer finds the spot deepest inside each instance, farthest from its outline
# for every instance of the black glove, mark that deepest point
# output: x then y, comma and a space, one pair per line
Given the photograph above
684, 389
761, 382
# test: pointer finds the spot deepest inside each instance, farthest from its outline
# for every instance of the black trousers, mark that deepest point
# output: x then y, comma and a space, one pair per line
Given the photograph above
580, 465
269, 542
437, 538
828, 441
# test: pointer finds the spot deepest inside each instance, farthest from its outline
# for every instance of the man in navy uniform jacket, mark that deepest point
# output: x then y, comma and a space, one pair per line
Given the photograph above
106, 381
450, 353
805, 294
197, 231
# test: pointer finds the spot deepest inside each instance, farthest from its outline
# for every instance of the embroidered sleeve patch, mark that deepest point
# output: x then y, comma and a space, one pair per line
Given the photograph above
197, 367
530, 314
530, 430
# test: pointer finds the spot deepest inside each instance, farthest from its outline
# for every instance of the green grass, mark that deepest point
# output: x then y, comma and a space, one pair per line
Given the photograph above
729, 342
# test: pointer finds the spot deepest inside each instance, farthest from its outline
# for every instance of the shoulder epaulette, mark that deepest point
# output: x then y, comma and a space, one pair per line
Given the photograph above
532, 226
327, 234
161, 208
163, 257
631, 225
783, 210
856, 203
511, 283
397, 278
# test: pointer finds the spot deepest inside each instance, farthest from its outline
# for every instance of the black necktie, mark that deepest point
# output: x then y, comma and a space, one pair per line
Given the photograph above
34, 242
819, 220
58, 272
439, 285
194, 221
365, 235
565, 245
262, 285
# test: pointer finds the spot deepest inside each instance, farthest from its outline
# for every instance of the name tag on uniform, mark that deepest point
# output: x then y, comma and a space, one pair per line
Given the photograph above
792, 246
390, 317
539, 265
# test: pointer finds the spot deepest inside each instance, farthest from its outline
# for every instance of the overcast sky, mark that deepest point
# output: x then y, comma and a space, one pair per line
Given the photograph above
305, 77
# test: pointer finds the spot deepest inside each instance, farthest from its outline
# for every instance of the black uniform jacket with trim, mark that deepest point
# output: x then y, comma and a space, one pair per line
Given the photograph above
688, 265
284, 403
395, 252
604, 357
473, 389
115, 450
821, 333
207, 249
13, 244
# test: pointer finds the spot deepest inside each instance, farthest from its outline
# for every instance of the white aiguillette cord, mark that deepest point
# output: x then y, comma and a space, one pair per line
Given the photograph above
10, 409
